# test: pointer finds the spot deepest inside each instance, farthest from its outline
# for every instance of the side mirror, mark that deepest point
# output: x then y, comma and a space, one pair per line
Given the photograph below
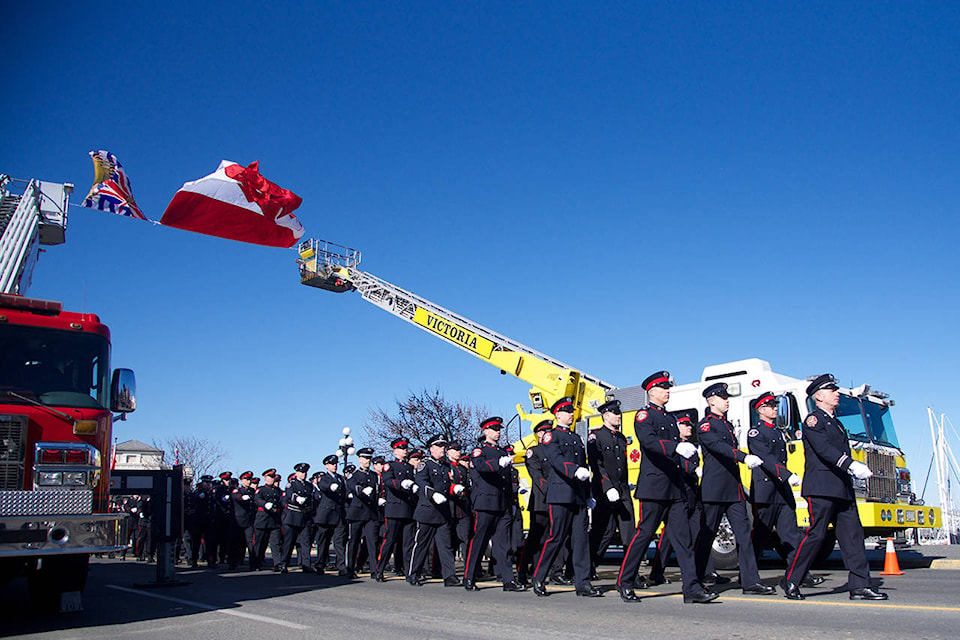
784, 413
123, 391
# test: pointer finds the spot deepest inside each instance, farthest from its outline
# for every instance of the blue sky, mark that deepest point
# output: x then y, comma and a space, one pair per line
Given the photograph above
624, 186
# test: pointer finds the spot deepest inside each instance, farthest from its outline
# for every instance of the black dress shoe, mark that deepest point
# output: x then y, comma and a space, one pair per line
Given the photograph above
343, 573
594, 575
413, 582
452, 582
470, 585
655, 580
539, 588
628, 595
867, 594
791, 591
352, 575
759, 589
700, 598
589, 591
307, 570
277, 568
513, 586
716, 578
812, 581
558, 578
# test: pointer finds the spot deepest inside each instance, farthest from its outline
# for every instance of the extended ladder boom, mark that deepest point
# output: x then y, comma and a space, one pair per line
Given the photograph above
336, 268
34, 216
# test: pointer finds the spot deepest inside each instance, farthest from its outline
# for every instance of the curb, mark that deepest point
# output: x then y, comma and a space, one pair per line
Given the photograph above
944, 563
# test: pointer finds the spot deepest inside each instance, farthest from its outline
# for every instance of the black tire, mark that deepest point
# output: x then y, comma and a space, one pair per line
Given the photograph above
56, 575
724, 548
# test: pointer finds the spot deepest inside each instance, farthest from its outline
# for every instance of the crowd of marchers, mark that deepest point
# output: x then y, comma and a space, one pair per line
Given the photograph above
418, 513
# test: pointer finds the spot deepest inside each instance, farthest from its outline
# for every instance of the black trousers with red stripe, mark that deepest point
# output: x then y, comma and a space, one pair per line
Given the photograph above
423, 539
652, 513
736, 513
567, 522
778, 520
846, 521
608, 518
493, 527
397, 532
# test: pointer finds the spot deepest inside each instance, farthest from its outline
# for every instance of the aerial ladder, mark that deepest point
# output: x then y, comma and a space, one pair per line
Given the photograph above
335, 268
32, 213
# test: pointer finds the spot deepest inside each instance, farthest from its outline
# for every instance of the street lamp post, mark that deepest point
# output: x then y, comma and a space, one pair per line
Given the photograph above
346, 448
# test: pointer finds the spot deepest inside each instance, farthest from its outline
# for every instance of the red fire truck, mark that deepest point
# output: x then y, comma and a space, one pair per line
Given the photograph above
58, 397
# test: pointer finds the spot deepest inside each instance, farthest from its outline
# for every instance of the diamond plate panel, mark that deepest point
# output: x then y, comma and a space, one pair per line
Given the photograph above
46, 503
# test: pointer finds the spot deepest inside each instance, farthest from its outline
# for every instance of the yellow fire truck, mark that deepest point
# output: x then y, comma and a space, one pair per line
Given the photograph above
886, 502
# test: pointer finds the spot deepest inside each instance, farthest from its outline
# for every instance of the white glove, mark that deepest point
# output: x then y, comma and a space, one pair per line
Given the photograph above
438, 497
505, 461
334, 486
244, 497
268, 505
591, 503
299, 499
134, 510
368, 491
225, 498
407, 483
582, 473
686, 450
415, 488
699, 472
794, 480
860, 470
381, 502
613, 495
457, 489
752, 461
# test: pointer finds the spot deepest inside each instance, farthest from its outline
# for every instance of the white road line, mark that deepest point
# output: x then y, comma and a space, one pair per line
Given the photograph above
210, 607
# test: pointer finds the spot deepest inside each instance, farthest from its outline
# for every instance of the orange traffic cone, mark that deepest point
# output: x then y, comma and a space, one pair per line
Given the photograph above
890, 565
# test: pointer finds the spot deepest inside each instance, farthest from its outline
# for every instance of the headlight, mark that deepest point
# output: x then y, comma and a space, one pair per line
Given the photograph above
49, 478
74, 478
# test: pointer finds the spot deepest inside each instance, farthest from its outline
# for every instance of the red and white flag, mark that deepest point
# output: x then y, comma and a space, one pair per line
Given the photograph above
237, 203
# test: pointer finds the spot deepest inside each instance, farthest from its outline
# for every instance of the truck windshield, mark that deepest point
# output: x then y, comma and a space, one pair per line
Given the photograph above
56, 367
851, 418
880, 423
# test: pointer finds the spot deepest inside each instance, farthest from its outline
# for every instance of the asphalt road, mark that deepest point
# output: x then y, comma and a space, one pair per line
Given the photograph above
923, 603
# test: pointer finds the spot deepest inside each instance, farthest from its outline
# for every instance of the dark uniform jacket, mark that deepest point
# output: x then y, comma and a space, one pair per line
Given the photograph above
363, 508
433, 476
537, 468
660, 476
607, 452
400, 502
721, 453
769, 482
191, 511
691, 481
331, 503
491, 482
244, 506
268, 507
565, 453
223, 514
827, 457
298, 503
460, 504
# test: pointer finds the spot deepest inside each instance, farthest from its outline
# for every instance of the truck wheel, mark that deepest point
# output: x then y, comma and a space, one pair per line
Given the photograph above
724, 549
55, 575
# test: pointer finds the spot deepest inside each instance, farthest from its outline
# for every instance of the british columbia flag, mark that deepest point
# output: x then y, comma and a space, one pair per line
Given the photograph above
111, 188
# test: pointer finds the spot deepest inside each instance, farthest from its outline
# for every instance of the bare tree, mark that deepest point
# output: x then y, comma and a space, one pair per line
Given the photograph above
421, 415
200, 454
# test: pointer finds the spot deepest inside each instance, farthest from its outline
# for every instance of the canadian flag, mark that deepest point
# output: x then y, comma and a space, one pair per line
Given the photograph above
237, 203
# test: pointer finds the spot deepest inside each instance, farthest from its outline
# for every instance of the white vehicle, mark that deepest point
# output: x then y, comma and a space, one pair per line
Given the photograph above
886, 502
